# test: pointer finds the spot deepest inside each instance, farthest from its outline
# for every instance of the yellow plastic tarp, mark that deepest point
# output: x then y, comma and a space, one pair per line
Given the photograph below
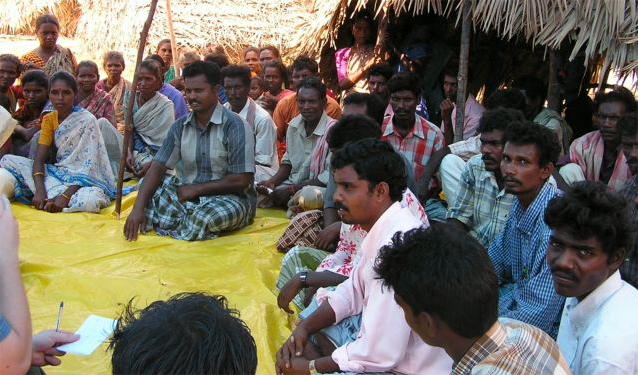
84, 260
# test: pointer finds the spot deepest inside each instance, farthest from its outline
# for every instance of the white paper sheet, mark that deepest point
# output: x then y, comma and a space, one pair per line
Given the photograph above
93, 332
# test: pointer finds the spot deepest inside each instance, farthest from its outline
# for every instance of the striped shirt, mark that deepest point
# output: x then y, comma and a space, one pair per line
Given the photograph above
629, 268
225, 146
418, 146
511, 347
518, 254
480, 204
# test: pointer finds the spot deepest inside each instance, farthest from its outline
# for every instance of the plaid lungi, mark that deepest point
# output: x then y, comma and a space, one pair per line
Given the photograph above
203, 218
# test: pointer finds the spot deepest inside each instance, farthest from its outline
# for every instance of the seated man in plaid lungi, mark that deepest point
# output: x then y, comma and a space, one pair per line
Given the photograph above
213, 153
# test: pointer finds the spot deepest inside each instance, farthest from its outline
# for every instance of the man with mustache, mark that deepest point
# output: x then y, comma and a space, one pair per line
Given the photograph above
628, 125
482, 205
213, 152
306, 158
597, 156
590, 234
409, 133
370, 178
236, 83
518, 253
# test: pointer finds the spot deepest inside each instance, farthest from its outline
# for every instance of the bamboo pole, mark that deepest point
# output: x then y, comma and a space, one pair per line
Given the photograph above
171, 29
553, 87
128, 119
463, 68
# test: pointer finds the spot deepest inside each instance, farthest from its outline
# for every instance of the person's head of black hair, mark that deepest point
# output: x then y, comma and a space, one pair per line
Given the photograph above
618, 95
404, 81
283, 71
313, 83
507, 98
162, 42
375, 109
87, 64
374, 161
189, 334
528, 133
13, 59
237, 71
274, 50
532, 88
499, 119
381, 69
205, 68
218, 58
67, 78
351, 128
44, 19
159, 60
38, 77
590, 210
628, 124
154, 67
305, 63
443, 272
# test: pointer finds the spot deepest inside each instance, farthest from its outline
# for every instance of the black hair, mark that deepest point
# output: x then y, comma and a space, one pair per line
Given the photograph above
404, 81
451, 69
374, 105
283, 71
163, 41
153, 66
218, 58
381, 69
207, 69
87, 64
445, 272
251, 49
44, 19
157, 58
236, 71
618, 94
532, 87
7, 57
113, 55
66, 77
499, 119
628, 124
305, 63
272, 49
352, 128
189, 334
529, 133
38, 77
374, 161
507, 98
259, 80
313, 83
590, 210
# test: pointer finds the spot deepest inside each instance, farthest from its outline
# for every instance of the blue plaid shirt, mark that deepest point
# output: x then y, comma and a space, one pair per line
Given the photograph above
518, 254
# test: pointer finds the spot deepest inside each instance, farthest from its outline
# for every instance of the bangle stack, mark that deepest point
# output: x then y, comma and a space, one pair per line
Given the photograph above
38, 174
66, 196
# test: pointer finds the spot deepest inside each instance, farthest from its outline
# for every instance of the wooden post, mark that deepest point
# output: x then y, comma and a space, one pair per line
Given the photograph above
463, 68
553, 87
171, 29
128, 119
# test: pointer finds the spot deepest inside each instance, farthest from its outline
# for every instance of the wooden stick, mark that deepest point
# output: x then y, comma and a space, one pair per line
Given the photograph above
463, 67
553, 87
171, 29
128, 119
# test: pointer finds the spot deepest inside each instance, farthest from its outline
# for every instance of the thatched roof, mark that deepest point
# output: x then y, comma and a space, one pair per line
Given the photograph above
116, 24
607, 28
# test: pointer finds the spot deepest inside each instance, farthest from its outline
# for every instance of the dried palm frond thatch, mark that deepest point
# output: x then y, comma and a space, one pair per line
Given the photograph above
19, 17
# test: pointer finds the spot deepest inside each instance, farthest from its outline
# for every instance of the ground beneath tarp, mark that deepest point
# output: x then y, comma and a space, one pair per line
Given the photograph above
84, 260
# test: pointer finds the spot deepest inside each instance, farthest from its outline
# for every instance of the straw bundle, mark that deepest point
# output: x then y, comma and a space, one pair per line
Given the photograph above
19, 17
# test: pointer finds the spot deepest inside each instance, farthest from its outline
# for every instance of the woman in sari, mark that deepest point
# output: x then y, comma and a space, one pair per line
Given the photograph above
94, 100
165, 51
115, 84
153, 115
81, 179
354, 62
49, 56
35, 86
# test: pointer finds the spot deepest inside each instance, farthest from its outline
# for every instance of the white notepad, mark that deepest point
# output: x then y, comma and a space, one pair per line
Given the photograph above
93, 332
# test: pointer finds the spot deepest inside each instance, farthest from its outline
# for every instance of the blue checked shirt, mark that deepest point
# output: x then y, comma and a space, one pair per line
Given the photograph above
480, 204
518, 254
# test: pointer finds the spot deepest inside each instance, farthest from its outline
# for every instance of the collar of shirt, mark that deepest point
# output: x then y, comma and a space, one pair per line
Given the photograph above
215, 119
529, 217
417, 130
482, 348
298, 123
581, 313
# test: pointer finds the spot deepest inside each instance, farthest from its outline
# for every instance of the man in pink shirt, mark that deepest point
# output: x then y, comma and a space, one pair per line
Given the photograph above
370, 180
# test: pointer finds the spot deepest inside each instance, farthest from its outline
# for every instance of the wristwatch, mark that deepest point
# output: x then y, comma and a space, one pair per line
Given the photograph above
311, 367
303, 277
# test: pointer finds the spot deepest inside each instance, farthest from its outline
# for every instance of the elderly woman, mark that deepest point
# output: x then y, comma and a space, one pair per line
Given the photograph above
80, 179
113, 64
49, 56
94, 100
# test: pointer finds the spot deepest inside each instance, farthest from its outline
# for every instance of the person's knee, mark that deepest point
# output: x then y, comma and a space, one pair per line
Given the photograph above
7, 183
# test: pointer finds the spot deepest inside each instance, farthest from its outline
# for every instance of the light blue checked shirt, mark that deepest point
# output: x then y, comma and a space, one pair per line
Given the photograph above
518, 254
